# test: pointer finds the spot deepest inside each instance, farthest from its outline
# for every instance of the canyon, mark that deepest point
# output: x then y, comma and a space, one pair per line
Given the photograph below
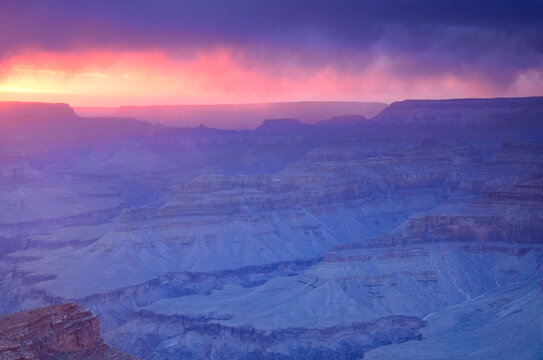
413, 234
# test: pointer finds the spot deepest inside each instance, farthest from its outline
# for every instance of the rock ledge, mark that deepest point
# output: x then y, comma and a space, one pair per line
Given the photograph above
65, 331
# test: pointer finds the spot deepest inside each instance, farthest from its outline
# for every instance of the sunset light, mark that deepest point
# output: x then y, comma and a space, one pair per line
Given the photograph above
253, 52
220, 76
271, 179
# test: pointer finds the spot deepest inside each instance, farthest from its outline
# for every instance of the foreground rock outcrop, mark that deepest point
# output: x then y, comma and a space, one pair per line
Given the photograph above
65, 331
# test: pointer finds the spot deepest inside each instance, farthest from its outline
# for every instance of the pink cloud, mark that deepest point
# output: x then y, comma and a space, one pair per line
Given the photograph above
109, 78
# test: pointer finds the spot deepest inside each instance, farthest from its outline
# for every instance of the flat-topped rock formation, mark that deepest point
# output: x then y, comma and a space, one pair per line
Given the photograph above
54, 127
467, 117
65, 331
505, 104
14, 112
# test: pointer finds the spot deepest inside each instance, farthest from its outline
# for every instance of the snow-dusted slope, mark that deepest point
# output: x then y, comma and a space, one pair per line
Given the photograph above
290, 241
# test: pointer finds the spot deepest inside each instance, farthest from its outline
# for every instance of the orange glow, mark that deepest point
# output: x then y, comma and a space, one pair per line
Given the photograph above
109, 78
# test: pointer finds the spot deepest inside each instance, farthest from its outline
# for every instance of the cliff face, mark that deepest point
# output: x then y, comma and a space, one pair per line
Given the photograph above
12, 112
64, 331
466, 117
57, 128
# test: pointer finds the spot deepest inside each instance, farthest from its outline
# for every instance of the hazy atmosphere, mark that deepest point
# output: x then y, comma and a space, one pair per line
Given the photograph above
271, 180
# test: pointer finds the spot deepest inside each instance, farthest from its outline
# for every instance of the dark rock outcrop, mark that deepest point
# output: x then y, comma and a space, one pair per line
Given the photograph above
65, 331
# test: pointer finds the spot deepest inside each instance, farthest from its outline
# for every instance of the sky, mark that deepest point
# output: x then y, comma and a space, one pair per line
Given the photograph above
111, 53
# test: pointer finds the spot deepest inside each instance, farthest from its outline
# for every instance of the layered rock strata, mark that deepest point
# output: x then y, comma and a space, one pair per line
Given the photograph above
64, 331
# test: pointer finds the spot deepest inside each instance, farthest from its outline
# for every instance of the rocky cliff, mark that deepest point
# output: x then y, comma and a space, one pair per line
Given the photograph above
467, 117
13, 112
64, 331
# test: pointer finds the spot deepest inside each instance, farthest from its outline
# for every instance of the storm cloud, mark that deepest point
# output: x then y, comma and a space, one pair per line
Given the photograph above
492, 41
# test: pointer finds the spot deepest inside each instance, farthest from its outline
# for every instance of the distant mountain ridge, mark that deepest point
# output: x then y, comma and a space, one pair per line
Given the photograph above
473, 103
54, 125
237, 116
481, 107
13, 112
465, 116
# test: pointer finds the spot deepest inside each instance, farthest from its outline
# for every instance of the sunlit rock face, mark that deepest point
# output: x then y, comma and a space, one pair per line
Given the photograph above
417, 232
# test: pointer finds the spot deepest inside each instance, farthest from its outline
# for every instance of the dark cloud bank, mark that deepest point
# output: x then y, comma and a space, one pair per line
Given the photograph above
491, 38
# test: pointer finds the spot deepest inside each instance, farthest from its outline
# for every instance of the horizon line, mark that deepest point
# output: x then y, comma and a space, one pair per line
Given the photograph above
271, 102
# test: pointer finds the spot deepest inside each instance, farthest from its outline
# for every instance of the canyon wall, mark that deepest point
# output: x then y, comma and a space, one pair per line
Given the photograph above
418, 231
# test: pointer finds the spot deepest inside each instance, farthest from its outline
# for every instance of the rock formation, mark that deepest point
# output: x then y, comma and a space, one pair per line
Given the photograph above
64, 331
